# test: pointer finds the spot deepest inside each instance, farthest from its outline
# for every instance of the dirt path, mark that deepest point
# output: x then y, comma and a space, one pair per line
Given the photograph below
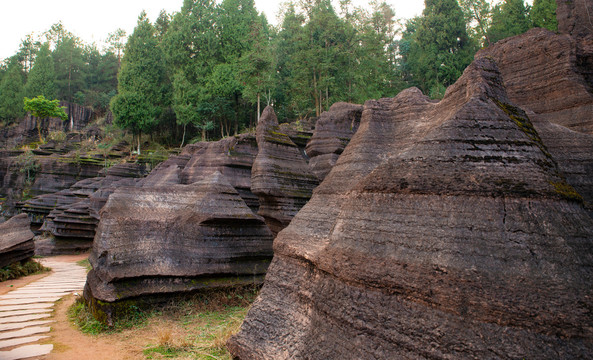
34, 321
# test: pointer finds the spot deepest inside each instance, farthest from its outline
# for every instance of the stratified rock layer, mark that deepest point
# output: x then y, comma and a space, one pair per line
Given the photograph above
176, 239
549, 74
280, 176
16, 240
444, 231
333, 131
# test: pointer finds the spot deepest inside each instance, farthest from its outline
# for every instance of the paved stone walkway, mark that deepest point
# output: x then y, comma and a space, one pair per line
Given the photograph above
25, 313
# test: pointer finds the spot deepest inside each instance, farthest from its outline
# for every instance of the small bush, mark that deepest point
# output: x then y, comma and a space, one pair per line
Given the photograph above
20, 269
58, 136
80, 314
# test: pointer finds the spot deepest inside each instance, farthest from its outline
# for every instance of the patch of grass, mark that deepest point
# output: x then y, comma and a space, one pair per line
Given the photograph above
85, 264
22, 268
194, 328
82, 317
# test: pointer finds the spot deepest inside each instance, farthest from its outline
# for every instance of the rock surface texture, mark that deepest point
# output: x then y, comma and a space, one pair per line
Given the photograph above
16, 240
333, 132
445, 230
280, 176
552, 74
170, 239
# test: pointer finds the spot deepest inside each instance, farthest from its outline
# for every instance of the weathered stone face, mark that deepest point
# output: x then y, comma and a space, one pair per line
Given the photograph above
16, 240
333, 131
444, 231
280, 176
176, 239
548, 74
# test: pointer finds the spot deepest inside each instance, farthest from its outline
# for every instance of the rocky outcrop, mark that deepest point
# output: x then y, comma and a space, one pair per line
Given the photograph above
233, 157
175, 239
333, 132
280, 176
16, 240
444, 231
552, 74
72, 215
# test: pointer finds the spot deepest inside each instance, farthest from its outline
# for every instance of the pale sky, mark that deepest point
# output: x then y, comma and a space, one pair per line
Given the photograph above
93, 20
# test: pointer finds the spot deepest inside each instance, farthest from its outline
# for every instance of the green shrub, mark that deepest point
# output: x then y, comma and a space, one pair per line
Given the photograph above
20, 269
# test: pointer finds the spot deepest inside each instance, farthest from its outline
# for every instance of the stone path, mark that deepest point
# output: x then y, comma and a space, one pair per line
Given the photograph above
25, 313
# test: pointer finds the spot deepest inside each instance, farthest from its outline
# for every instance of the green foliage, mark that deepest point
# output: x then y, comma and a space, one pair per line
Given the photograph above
543, 14
44, 108
68, 64
439, 46
80, 314
20, 269
12, 92
509, 18
477, 15
28, 165
42, 78
143, 85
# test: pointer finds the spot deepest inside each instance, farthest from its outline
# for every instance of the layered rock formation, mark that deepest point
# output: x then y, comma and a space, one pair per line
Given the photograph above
280, 176
552, 74
333, 132
175, 239
232, 156
16, 240
72, 215
444, 231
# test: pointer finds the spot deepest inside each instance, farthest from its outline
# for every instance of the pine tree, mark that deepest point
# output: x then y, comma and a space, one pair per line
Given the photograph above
441, 47
508, 19
543, 14
12, 92
42, 78
142, 82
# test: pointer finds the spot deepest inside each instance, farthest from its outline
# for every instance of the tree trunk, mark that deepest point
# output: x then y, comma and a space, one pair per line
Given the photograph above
203, 133
139, 136
183, 138
258, 108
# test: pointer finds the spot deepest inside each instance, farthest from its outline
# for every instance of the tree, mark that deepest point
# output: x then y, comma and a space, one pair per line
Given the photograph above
68, 64
27, 51
508, 19
440, 48
42, 108
192, 51
543, 14
255, 66
142, 82
12, 92
117, 44
42, 78
478, 16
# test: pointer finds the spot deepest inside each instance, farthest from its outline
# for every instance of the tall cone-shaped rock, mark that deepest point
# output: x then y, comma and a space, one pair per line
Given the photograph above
280, 176
175, 239
445, 230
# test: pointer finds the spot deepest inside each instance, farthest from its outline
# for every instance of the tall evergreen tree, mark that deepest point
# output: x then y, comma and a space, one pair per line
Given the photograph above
256, 66
12, 92
42, 78
192, 51
478, 17
508, 19
142, 85
543, 14
441, 47
68, 63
